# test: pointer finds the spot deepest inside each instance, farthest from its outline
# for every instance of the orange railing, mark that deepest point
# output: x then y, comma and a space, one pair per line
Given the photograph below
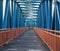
7, 35
51, 39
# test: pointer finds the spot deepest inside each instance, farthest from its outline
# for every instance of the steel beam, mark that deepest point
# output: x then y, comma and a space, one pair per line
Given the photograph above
22, 20
4, 23
8, 25
1, 13
48, 10
39, 18
14, 10
58, 12
43, 13
19, 17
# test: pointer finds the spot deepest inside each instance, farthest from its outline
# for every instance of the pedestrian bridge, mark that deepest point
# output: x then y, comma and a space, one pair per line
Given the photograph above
29, 25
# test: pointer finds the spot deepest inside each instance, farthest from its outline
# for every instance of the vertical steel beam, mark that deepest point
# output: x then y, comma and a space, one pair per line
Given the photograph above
14, 8
19, 17
56, 20
4, 23
22, 20
58, 12
43, 13
50, 15
8, 18
1, 13
39, 18
56, 17
48, 10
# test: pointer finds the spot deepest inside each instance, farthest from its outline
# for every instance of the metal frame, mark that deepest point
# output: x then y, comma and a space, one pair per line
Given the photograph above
1, 11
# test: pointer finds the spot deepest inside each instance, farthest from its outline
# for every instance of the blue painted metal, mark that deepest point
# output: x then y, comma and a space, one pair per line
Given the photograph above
47, 16
55, 21
49, 23
27, 24
43, 13
14, 10
39, 18
56, 17
1, 14
48, 8
15, 18
4, 23
8, 25
22, 20
58, 12
18, 17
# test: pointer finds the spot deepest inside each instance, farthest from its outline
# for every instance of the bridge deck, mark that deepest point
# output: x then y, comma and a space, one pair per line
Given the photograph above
28, 41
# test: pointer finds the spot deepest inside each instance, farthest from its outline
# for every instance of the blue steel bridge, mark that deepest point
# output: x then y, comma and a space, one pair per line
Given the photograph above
29, 25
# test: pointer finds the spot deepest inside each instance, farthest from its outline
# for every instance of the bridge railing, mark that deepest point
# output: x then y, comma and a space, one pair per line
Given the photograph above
52, 40
6, 35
